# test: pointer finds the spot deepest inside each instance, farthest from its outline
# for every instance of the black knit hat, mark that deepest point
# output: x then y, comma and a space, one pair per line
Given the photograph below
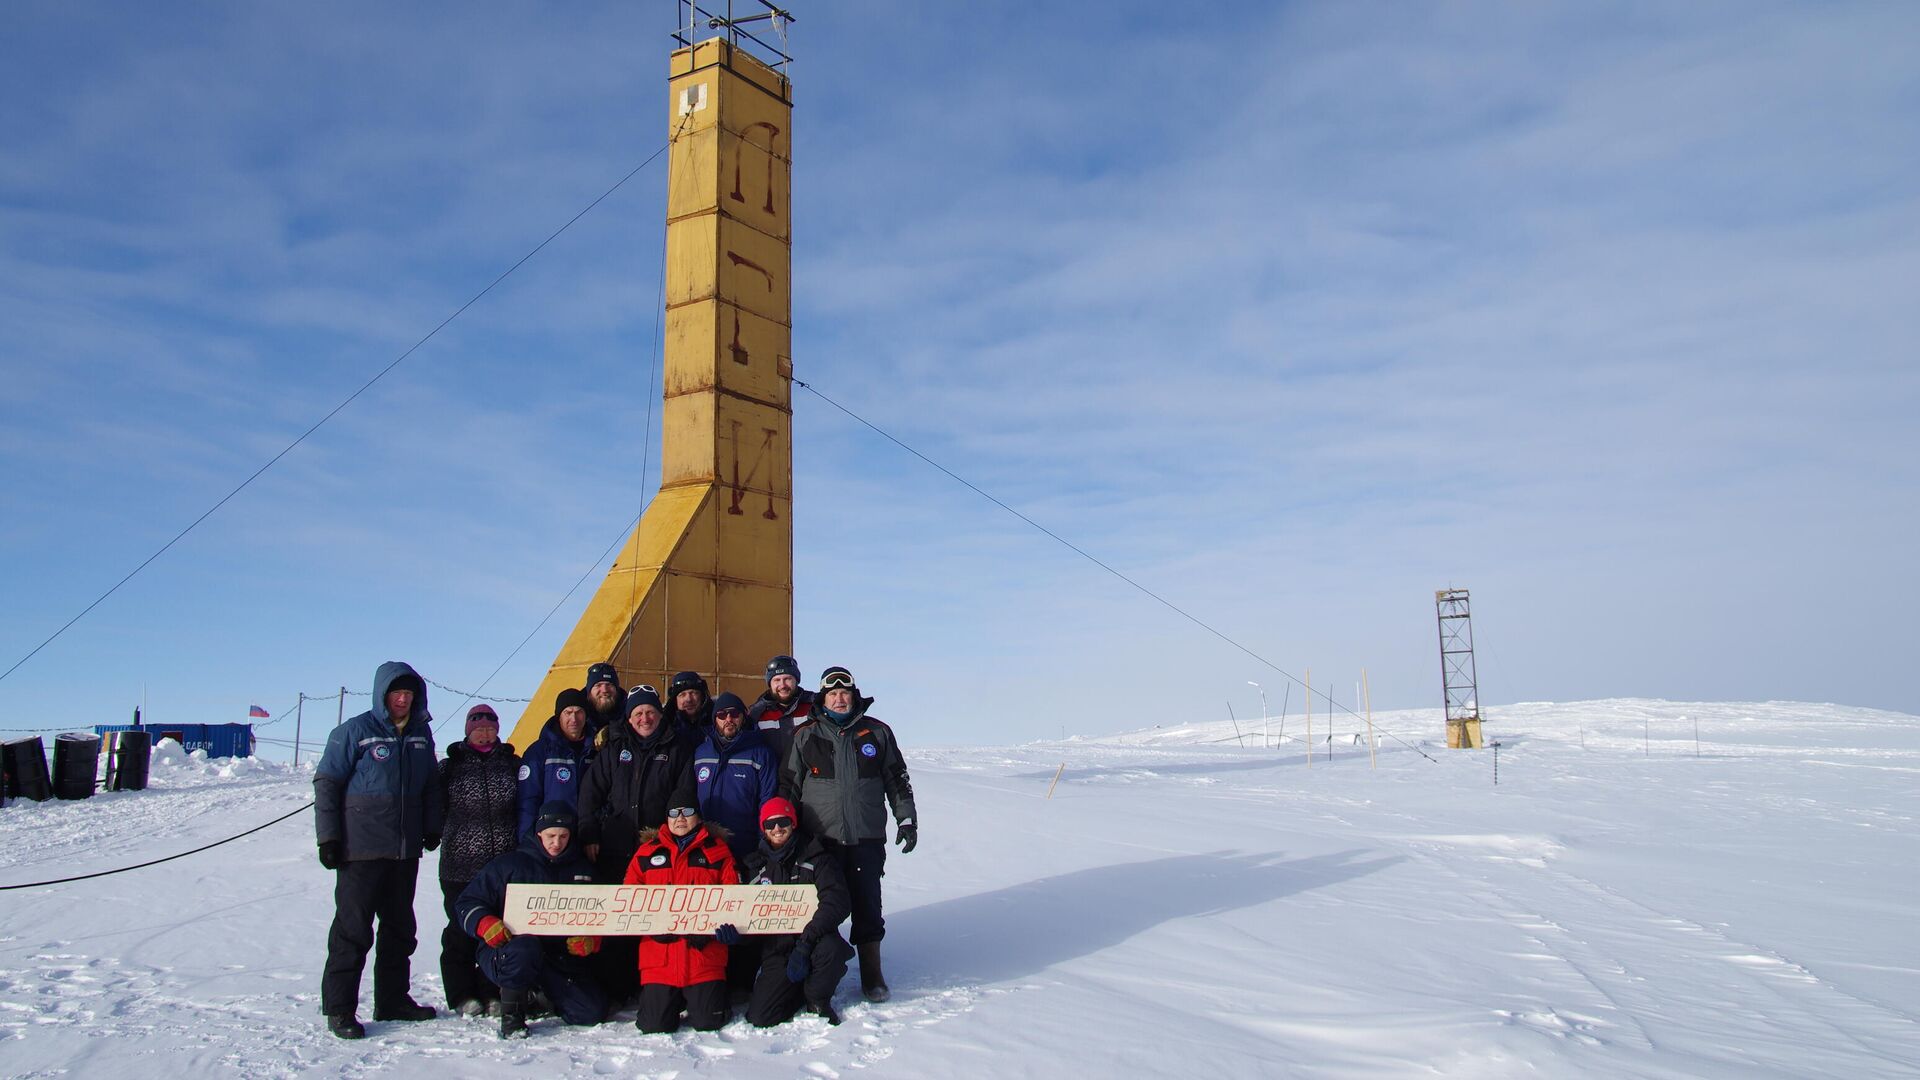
686, 680
600, 673
642, 695
783, 665
571, 696
556, 815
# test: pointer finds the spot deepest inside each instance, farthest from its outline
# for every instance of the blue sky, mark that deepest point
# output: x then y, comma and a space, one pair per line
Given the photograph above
1293, 314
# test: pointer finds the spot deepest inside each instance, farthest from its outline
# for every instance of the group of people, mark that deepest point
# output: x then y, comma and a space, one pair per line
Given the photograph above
621, 786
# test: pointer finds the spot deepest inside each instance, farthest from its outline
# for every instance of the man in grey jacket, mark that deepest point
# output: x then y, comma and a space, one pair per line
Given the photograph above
844, 770
377, 805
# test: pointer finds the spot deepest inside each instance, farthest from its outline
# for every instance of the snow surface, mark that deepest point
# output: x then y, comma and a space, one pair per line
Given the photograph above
1184, 906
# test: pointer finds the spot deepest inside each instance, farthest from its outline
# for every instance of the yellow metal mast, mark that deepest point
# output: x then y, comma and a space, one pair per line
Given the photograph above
706, 581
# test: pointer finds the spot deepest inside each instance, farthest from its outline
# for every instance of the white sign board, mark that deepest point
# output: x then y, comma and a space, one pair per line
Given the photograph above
621, 910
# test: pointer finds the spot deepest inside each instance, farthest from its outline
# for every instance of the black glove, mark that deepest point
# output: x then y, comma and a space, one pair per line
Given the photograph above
909, 836
332, 854
431, 842
799, 963
727, 934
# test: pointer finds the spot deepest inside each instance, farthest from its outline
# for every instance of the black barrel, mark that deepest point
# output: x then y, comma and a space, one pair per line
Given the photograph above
76, 758
26, 767
127, 763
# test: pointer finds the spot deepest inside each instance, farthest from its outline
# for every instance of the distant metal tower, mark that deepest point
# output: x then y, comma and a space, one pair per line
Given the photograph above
1458, 679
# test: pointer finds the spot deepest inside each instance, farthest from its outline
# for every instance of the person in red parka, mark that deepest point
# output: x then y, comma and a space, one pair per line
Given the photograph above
682, 971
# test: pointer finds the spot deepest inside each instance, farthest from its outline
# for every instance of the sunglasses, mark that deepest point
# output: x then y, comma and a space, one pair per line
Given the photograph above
683, 811
730, 712
773, 823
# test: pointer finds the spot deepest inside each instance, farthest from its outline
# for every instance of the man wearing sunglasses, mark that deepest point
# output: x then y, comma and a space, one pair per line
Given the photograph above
802, 967
844, 770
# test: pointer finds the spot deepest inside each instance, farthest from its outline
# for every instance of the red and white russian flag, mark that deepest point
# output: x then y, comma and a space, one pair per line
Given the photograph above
255, 712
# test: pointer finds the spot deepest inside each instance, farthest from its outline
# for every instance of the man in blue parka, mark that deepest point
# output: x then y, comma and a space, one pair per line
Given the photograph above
377, 805
735, 772
552, 768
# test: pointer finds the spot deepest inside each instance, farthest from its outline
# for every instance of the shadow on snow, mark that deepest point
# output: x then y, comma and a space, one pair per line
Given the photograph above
1023, 929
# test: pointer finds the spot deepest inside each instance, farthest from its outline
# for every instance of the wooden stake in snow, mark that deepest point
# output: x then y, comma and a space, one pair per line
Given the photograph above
1056, 779
1366, 692
1236, 727
1309, 718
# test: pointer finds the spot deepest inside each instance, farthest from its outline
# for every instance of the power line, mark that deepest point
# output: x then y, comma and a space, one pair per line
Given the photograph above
157, 862
1083, 553
364, 387
591, 567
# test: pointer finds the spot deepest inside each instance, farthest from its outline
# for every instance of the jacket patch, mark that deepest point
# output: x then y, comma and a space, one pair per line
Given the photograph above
868, 749
382, 751
526, 771
563, 774
659, 859
706, 773
625, 755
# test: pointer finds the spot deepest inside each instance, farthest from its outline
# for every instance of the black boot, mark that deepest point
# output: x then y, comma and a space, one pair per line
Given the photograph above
873, 984
824, 1010
404, 1009
346, 1026
513, 1014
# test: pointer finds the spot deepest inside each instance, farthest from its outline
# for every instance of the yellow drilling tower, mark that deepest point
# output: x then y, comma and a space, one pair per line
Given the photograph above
706, 582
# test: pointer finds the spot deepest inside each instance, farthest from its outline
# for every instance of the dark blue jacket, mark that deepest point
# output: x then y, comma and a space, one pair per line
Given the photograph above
528, 864
734, 782
552, 769
375, 790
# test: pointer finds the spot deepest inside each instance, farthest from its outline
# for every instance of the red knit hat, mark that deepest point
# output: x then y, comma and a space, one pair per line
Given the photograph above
777, 807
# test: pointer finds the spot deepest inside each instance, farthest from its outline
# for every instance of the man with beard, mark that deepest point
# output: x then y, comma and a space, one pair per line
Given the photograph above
606, 700
734, 774
643, 765
782, 706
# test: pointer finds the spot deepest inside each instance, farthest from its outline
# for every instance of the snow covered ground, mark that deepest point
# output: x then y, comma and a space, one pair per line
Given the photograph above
1620, 905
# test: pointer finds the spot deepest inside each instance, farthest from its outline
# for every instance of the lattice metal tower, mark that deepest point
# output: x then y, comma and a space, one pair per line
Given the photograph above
1459, 680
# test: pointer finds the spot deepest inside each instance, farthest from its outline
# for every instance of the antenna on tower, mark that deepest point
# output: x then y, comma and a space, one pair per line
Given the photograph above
1458, 679
697, 24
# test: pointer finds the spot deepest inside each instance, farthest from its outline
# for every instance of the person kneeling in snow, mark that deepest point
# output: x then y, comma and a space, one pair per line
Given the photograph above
556, 966
807, 965
682, 971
